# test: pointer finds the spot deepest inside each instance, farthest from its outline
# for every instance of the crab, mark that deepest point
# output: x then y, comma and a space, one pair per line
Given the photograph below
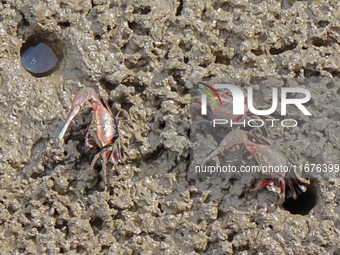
265, 155
258, 147
103, 132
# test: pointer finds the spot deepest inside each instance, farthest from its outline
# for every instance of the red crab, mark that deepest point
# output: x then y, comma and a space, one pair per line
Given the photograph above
103, 131
264, 154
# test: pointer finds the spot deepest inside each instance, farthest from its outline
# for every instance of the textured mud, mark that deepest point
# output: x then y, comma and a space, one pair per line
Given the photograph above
141, 55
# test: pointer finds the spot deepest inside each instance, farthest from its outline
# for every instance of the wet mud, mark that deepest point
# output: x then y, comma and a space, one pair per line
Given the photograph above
141, 57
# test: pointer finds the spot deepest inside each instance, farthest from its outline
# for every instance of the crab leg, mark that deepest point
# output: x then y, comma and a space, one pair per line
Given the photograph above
235, 137
82, 96
263, 154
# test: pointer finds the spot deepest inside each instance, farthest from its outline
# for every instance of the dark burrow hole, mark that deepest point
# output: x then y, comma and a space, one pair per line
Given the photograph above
107, 85
305, 201
62, 226
64, 24
160, 207
222, 59
157, 153
126, 106
138, 29
179, 7
143, 10
97, 224
97, 36
40, 55
105, 248
277, 51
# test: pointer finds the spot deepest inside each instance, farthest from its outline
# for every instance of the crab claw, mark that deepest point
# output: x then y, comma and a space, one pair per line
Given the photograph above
82, 96
236, 136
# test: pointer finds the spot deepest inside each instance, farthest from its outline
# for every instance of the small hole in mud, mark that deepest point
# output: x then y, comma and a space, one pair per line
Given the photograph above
155, 154
160, 207
232, 180
257, 52
126, 105
323, 23
97, 224
304, 203
28, 216
277, 51
161, 124
38, 57
179, 8
35, 175
24, 20
97, 37
80, 249
231, 236
138, 28
105, 248
41, 230
310, 73
144, 10
221, 59
107, 85
64, 25
62, 226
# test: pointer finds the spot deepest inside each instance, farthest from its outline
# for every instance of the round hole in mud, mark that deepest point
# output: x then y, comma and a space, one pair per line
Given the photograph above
305, 201
39, 57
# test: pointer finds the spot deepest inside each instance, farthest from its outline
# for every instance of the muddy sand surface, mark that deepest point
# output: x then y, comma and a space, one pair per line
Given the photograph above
141, 56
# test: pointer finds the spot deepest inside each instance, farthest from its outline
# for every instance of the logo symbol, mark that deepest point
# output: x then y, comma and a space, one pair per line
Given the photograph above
239, 99
204, 97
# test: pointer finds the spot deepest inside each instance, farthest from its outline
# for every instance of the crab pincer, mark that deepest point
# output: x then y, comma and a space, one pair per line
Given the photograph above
265, 155
83, 95
103, 132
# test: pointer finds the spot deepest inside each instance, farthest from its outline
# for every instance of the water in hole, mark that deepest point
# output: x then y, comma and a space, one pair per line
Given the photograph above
38, 59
